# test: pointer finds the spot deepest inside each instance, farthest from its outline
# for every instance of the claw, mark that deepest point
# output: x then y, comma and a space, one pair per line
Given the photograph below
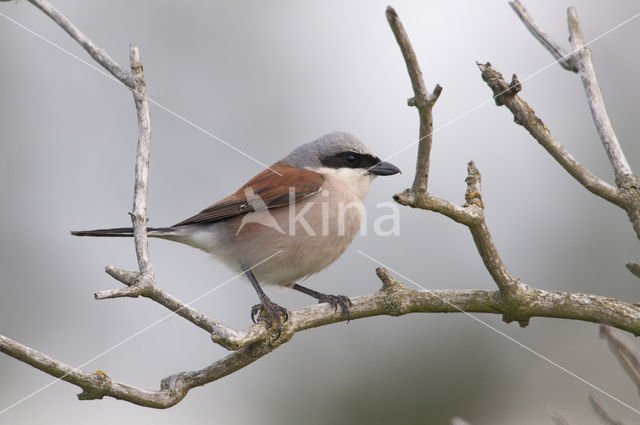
337, 300
276, 314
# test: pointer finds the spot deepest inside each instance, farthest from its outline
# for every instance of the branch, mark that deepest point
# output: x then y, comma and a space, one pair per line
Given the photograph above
472, 216
558, 419
141, 186
602, 411
565, 60
579, 60
628, 357
514, 300
145, 287
423, 100
634, 268
99, 55
582, 54
517, 298
628, 197
518, 301
393, 299
506, 94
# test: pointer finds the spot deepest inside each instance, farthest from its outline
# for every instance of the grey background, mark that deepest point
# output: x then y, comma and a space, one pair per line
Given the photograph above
266, 77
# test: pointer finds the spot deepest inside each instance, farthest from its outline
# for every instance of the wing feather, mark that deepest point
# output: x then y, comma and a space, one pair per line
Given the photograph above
273, 190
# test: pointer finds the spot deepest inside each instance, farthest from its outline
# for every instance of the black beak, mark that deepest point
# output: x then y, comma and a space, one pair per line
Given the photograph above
384, 169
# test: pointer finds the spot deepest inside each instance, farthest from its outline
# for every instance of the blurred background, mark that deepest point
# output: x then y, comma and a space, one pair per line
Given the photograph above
266, 77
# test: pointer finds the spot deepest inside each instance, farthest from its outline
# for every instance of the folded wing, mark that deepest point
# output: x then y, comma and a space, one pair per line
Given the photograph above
272, 188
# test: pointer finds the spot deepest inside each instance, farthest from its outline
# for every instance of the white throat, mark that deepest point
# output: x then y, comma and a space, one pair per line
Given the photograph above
349, 181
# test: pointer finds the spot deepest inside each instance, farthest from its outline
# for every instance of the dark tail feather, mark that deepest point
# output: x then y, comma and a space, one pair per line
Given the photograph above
117, 232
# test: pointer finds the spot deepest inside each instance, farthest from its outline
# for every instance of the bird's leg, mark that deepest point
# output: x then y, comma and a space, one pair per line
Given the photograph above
334, 300
273, 310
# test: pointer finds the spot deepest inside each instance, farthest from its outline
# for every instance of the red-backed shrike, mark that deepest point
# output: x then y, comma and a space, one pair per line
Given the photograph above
308, 206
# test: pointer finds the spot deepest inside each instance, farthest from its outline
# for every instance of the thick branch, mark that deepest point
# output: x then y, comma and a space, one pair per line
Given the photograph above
564, 59
524, 115
423, 100
582, 54
99, 55
393, 299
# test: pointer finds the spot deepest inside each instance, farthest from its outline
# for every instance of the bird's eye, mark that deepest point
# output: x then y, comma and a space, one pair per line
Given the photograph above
350, 158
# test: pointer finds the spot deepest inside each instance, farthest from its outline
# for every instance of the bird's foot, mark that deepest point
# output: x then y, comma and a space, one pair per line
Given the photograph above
270, 313
337, 300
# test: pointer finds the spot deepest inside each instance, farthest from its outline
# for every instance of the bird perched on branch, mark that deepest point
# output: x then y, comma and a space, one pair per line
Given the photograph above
288, 222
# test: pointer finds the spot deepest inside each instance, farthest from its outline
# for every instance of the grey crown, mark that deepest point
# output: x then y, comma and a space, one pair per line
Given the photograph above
309, 154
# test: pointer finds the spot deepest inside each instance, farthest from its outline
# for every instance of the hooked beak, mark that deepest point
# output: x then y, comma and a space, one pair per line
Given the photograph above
384, 169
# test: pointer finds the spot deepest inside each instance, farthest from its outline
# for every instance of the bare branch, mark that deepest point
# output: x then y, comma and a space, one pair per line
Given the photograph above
557, 418
463, 215
579, 60
423, 100
564, 59
473, 195
99, 55
515, 301
628, 197
140, 283
582, 54
634, 268
628, 357
472, 216
141, 187
602, 411
393, 299
509, 287
524, 115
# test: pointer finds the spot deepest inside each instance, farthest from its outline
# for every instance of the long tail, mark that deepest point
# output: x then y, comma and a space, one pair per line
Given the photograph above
118, 232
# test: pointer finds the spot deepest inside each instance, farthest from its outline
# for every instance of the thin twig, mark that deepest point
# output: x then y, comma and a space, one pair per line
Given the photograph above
472, 216
628, 197
580, 61
564, 59
557, 418
582, 54
141, 186
137, 285
423, 100
628, 357
99, 55
602, 412
524, 115
634, 268
459, 421
462, 215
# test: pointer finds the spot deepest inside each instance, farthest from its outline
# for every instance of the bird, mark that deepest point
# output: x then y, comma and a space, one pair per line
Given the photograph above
290, 221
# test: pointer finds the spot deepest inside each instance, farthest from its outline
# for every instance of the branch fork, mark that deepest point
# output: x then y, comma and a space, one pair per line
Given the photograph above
626, 194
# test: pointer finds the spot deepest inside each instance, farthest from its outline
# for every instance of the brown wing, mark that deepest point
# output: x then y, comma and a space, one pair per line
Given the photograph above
273, 190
